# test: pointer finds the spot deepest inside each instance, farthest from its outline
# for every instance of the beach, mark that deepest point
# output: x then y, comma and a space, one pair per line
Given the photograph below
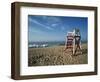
56, 56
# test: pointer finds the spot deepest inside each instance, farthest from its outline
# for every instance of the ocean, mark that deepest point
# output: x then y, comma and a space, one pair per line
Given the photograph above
43, 44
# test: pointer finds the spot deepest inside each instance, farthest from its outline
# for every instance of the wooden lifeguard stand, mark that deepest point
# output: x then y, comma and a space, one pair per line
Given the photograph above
73, 41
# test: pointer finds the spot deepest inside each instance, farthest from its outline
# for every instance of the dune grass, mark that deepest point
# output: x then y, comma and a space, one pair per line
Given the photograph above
56, 56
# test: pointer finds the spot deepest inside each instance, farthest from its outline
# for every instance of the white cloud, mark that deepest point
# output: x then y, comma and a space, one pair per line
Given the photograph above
53, 25
32, 30
36, 22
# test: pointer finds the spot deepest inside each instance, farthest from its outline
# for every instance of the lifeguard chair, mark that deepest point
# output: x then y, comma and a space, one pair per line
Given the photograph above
69, 41
73, 41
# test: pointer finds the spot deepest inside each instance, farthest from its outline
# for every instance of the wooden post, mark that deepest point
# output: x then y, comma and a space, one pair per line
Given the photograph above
73, 41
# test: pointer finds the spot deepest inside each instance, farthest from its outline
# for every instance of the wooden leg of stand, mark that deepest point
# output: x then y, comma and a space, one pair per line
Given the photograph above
80, 49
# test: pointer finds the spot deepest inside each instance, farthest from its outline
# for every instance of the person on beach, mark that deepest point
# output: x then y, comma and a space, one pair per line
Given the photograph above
78, 44
77, 38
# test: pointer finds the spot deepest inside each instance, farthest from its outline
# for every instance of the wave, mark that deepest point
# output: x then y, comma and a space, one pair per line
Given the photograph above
48, 44
45, 44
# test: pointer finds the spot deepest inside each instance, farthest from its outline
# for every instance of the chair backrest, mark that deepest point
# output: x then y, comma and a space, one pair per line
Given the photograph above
70, 34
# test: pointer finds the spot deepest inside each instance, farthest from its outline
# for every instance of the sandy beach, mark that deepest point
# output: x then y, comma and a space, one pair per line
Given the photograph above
56, 56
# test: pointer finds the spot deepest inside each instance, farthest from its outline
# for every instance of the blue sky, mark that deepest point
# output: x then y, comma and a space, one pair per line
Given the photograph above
55, 28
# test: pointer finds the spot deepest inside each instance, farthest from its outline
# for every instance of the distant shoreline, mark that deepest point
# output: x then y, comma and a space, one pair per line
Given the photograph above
48, 44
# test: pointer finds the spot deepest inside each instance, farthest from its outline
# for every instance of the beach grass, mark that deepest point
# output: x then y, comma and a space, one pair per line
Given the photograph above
56, 56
